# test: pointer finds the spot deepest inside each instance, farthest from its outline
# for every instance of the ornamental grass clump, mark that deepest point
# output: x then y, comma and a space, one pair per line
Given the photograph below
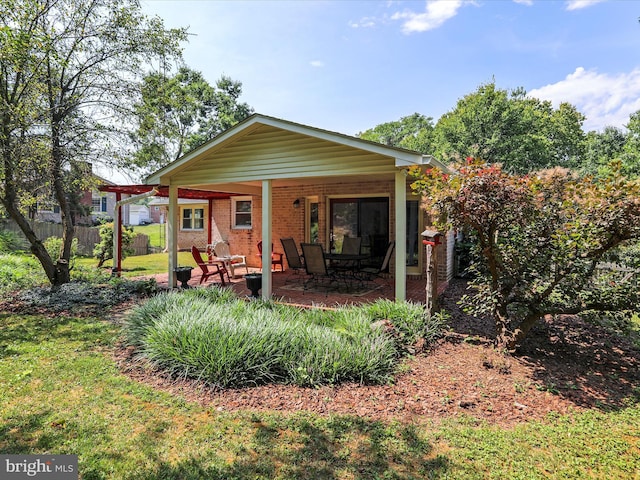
410, 323
145, 315
229, 342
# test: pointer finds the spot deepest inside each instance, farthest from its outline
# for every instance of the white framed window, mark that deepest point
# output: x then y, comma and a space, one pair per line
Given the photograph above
193, 219
99, 204
241, 212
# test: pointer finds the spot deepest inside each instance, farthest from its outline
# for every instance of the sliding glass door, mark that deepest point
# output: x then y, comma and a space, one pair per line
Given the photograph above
367, 218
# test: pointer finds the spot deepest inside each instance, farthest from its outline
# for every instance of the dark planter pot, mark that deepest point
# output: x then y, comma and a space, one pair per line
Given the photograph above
183, 274
254, 283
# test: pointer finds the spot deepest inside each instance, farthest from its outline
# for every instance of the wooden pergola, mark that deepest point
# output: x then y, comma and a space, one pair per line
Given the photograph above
136, 192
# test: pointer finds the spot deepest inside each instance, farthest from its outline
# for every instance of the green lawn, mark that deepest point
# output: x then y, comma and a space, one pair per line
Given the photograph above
140, 265
155, 232
62, 392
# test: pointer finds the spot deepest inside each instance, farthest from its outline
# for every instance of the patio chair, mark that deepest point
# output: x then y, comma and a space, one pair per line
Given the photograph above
378, 245
369, 274
208, 269
316, 267
231, 262
293, 257
276, 257
351, 245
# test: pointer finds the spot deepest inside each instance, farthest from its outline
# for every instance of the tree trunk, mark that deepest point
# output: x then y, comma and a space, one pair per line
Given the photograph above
62, 273
508, 339
36, 245
504, 336
10, 203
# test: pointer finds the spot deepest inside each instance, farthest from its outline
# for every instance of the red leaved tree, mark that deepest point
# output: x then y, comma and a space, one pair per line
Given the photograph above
543, 242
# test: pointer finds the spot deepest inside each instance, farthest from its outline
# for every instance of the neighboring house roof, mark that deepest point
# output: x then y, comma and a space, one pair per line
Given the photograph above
267, 148
102, 180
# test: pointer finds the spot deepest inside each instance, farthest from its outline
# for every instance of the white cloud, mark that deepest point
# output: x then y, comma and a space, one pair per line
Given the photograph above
578, 4
316, 63
436, 13
365, 22
528, 3
605, 99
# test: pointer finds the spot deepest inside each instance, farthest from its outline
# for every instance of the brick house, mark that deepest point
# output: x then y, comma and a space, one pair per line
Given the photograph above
99, 204
276, 179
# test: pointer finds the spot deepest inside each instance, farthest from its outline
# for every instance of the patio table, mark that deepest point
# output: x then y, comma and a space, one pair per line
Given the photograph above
346, 258
348, 264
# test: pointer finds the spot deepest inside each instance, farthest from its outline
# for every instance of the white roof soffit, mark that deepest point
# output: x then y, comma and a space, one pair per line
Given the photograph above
403, 157
424, 161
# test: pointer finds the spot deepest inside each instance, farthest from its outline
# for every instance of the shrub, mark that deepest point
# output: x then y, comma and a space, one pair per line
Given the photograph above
411, 324
54, 248
19, 272
10, 241
211, 335
103, 251
540, 240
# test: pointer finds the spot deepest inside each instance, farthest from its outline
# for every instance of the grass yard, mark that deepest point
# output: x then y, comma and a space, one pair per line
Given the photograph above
63, 392
141, 265
155, 232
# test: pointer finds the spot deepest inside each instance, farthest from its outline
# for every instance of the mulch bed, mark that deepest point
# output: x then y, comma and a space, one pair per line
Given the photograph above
566, 365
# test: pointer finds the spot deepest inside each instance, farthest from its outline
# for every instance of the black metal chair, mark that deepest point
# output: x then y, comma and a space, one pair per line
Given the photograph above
320, 276
351, 245
369, 274
296, 265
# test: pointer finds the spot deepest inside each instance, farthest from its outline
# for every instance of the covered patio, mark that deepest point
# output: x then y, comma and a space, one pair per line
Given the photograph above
285, 289
284, 179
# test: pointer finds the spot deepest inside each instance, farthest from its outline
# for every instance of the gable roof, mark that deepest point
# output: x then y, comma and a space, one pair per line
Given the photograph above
263, 147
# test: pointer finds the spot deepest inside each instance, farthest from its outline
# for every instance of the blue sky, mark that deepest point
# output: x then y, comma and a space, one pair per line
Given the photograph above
350, 65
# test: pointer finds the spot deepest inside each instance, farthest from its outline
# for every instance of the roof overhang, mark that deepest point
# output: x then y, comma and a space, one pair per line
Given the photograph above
181, 171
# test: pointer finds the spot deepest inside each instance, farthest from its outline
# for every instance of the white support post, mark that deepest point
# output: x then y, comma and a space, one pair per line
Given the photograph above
267, 284
401, 234
172, 235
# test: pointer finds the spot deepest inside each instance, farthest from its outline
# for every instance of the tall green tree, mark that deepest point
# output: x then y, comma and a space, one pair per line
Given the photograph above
414, 132
601, 148
177, 113
630, 156
69, 70
521, 133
